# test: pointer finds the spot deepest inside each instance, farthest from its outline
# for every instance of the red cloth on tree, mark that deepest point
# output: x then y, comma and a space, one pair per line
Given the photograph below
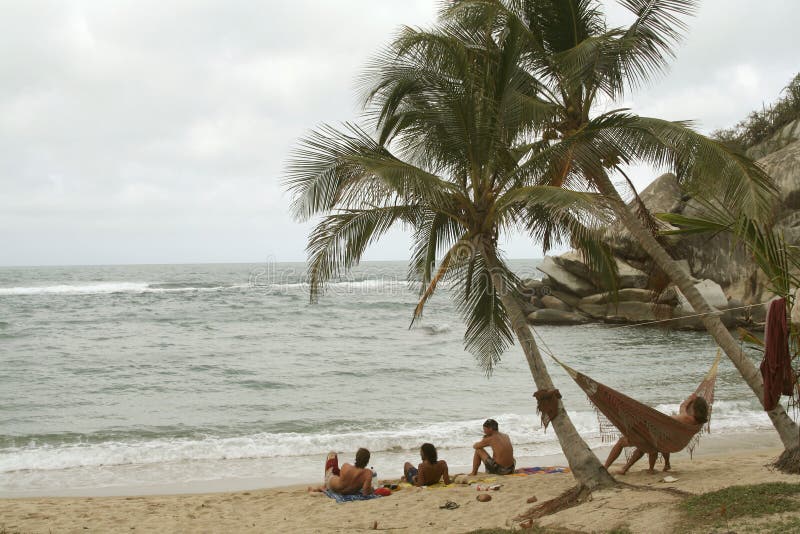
777, 365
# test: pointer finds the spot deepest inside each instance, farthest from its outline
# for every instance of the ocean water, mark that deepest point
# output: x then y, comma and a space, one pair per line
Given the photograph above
155, 376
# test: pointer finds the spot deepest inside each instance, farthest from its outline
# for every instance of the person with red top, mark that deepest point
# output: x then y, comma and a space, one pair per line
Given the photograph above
350, 479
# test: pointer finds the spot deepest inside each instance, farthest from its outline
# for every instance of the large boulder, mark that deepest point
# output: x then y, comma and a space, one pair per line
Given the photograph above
641, 311
548, 316
784, 167
568, 298
573, 263
627, 312
719, 258
630, 277
563, 278
554, 303
663, 195
710, 291
785, 136
623, 295
714, 256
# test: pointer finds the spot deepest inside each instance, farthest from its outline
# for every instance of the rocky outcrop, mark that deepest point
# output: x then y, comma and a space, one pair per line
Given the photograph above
723, 271
559, 277
558, 299
718, 257
785, 136
548, 316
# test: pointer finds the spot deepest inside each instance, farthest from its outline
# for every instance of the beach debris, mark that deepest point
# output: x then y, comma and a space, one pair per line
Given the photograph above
532, 500
669, 478
488, 487
528, 523
449, 505
374, 525
484, 497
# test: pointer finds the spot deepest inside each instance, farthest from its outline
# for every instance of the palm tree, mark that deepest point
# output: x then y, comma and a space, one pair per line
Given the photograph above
579, 65
449, 114
778, 261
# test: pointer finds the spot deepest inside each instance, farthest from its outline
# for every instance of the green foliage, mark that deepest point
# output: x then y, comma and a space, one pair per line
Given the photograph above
741, 501
761, 125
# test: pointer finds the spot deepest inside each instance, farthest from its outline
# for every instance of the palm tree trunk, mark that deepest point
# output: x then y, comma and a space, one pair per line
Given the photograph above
585, 466
787, 429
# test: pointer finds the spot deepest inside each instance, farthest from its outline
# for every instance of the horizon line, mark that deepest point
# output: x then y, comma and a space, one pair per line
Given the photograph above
143, 264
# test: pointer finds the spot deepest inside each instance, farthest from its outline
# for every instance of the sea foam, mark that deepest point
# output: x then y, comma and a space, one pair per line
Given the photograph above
524, 429
116, 287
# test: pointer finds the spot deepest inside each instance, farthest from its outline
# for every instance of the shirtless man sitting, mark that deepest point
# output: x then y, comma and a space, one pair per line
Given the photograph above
502, 462
693, 411
350, 479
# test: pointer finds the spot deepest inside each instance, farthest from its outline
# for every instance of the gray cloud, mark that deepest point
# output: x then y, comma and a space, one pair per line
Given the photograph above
157, 132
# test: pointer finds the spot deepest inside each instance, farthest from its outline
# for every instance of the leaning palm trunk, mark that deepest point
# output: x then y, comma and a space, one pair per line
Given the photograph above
787, 429
585, 466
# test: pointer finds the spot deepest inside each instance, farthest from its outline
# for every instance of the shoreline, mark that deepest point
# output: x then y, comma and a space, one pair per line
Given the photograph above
731, 460
710, 445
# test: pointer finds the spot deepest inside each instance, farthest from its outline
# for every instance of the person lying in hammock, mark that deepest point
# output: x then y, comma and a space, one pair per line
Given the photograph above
693, 411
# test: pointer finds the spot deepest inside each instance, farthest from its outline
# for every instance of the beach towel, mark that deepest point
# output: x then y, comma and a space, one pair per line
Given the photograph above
776, 368
547, 470
348, 498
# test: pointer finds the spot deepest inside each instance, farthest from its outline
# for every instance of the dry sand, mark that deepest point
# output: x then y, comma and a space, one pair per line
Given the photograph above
293, 509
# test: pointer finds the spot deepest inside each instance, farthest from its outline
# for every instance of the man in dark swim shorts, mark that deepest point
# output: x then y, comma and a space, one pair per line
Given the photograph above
502, 461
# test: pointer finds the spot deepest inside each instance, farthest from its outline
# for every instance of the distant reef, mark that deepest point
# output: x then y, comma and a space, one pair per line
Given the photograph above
724, 274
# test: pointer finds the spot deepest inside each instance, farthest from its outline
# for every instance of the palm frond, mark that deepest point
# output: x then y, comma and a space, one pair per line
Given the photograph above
333, 168
555, 200
428, 290
339, 240
488, 329
596, 254
705, 167
648, 43
435, 232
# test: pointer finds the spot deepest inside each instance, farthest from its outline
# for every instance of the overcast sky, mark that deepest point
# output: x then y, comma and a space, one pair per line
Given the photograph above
156, 132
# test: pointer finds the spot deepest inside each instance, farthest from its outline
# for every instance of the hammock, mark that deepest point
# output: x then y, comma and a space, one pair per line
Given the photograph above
645, 427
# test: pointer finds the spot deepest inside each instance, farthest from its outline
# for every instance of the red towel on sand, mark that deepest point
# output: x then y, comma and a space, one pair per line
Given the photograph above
777, 365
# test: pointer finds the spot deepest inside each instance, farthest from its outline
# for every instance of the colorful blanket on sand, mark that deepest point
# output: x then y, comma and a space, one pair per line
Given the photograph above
347, 498
548, 470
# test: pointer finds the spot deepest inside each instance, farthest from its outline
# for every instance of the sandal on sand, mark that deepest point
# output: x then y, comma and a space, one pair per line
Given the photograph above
449, 505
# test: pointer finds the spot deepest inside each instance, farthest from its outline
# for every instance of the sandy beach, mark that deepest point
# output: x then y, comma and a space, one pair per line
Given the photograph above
720, 462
